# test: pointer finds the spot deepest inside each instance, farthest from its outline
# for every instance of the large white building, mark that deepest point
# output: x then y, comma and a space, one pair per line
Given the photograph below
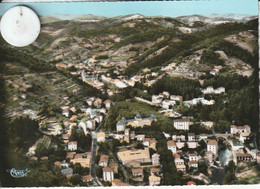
108, 174
212, 146
182, 124
72, 145
240, 129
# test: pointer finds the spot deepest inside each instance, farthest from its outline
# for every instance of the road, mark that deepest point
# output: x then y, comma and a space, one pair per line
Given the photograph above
93, 153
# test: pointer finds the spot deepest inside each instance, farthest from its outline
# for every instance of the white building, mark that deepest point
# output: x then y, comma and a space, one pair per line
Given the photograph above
193, 157
171, 145
108, 174
213, 147
101, 137
156, 159
120, 126
72, 145
240, 129
191, 136
182, 124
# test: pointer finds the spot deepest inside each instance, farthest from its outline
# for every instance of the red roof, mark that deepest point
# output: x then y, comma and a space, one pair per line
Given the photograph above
140, 170
191, 134
70, 155
191, 183
212, 142
182, 120
78, 156
107, 169
171, 143
176, 155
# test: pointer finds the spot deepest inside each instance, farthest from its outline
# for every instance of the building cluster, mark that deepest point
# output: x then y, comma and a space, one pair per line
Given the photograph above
138, 121
211, 90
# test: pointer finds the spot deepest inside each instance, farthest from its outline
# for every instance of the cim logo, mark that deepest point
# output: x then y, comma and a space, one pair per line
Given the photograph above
17, 173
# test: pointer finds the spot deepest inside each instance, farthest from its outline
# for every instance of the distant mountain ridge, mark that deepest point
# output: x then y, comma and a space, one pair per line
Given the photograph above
185, 19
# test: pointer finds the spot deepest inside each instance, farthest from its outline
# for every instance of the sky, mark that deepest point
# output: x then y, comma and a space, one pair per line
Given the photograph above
148, 8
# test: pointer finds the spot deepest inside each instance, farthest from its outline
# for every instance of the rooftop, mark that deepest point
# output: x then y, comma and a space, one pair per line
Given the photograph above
130, 155
171, 143
107, 169
212, 142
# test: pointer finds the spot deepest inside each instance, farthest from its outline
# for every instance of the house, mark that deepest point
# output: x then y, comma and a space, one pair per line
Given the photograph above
82, 159
72, 145
65, 137
208, 124
138, 121
151, 143
154, 180
114, 166
155, 159
120, 126
180, 166
91, 124
103, 162
157, 99
138, 156
243, 137
101, 137
191, 136
70, 155
240, 129
176, 98
203, 136
191, 183
89, 101
167, 103
154, 171
220, 90
117, 182
87, 178
65, 112
182, 124
132, 135
193, 157
171, 145
193, 164
178, 138
246, 157
108, 174
57, 163
83, 125
107, 104
138, 172
140, 137
208, 90
213, 147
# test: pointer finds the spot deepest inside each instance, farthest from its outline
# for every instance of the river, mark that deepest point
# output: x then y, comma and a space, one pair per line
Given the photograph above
224, 154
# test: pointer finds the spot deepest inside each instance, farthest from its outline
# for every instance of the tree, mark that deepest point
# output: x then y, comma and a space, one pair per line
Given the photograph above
77, 168
75, 180
99, 171
229, 178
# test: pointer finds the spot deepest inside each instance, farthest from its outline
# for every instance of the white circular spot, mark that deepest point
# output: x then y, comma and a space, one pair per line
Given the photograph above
20, 26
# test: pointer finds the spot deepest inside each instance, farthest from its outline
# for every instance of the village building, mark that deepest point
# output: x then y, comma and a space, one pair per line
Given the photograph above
240, 129
138, 121
134, 157
155, 159
191, 136
120, 126
243, 137
82, 159
178, 137
176, 98
140, 137
182, 124
108, 174
72, 145
103, 161
87, 178
114, 166
203, 136
193, 157
139, 172
117, 182
193, 164
107, 104
171, 145
101, 137
154, 171
210, 156
70, 155
213, 147
180, 166
154, 180
191, 183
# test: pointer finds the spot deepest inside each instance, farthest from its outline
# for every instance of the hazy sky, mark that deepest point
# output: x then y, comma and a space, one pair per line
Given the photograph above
148, 8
